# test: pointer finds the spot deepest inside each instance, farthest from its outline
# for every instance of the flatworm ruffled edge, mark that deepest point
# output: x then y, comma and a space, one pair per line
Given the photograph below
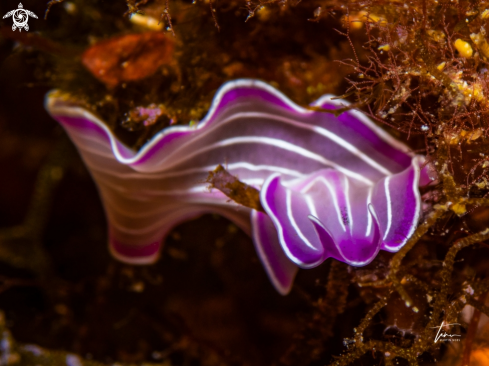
415, 166
128, 157
416, 163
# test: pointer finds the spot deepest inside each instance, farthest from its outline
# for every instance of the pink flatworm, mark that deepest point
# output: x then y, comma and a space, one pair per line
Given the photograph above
331, 186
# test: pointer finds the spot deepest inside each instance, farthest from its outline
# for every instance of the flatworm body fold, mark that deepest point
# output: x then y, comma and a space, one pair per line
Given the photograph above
331, 186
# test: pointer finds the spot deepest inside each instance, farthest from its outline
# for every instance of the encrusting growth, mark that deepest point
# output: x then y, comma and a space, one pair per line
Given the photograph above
230, 185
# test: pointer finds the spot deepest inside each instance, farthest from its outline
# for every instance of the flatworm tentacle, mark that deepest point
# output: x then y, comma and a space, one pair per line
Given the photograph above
331, 186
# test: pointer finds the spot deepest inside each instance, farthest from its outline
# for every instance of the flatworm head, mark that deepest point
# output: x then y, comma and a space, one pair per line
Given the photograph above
330, 186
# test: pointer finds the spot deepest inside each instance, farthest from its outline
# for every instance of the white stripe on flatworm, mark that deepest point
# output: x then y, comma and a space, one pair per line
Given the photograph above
319, 130
369, 215
290, 215
389, 207
335, 201
229, 167
347, 202
281, 145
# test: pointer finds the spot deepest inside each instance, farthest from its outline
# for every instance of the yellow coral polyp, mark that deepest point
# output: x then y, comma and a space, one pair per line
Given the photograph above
264, 13
481, 43
475, 134
463, 48
146, 22
454, 138
374, 18
357, 20
470, 92
437, 36
481, 185
471, 135
477, 92
459, 208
